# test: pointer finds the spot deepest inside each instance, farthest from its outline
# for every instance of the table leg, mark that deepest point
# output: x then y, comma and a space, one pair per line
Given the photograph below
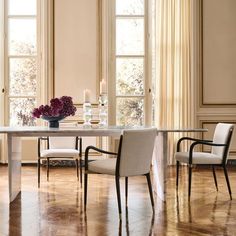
14, 166
160, 165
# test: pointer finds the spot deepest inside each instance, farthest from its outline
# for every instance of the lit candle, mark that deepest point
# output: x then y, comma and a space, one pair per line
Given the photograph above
103, 87
87, 96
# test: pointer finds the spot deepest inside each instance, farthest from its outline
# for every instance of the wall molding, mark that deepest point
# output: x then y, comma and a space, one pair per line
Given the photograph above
99, 48
203, 103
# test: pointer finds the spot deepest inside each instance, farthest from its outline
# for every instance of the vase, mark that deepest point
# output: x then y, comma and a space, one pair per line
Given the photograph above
53, 120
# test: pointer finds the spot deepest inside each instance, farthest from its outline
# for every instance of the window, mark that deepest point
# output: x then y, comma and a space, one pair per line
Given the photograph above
22, 61
130, 74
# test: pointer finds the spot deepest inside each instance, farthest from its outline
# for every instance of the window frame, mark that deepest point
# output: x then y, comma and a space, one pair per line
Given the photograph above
2, 54
8, 57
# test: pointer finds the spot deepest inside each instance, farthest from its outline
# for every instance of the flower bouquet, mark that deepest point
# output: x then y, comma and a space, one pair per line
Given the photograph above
58, 109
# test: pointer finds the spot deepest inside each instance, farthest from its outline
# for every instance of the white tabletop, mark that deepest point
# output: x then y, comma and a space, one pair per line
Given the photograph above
95, 130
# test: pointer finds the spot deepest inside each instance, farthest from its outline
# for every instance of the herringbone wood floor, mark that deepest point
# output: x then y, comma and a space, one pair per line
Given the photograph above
56, 208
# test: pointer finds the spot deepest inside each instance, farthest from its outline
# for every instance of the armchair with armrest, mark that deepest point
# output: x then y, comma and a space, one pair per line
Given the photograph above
217, 157
133, 158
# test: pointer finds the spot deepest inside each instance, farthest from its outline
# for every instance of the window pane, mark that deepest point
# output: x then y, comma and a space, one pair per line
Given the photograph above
22, 36
130, 76
20, 111
129, 7
23, 77
130, 37
22, 7
130, 111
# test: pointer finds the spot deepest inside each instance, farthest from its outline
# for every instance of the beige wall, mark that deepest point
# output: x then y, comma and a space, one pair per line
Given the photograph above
215, 76
77, 57
219, 52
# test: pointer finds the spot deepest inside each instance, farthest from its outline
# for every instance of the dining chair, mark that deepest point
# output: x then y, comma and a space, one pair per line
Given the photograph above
217, 157
60, 148
134, 158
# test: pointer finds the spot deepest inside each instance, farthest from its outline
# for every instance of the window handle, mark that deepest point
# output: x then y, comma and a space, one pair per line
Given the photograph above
3, 90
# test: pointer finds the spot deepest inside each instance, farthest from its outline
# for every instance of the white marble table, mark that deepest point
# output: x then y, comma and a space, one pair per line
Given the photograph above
14, 150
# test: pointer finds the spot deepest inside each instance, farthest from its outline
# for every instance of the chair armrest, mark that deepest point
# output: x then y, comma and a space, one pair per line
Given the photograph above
189, 139
39, 144
202, 143
99, 150
96, 149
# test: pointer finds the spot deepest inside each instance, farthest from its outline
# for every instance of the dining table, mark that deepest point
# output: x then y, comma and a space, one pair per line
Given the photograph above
160, 152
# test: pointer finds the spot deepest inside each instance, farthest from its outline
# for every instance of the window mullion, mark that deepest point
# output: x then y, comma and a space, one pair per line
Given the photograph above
22, 96
22, 17
130, 56
22, 56
129, 16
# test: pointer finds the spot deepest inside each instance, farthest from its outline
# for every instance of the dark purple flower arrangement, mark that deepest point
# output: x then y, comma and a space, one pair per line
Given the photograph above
59, 107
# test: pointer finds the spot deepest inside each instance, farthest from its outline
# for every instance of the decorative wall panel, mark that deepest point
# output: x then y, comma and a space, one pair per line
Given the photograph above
218, 80
77, 48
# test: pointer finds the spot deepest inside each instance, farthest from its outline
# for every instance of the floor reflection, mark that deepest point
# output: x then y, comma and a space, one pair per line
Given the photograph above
57, 207
124, 225
15, 217
187, 207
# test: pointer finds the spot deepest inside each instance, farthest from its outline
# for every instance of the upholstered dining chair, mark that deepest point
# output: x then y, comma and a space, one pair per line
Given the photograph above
217, 157
134, 158
60, 148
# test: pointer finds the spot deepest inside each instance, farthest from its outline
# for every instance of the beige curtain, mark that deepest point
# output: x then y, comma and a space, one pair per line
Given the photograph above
172, 70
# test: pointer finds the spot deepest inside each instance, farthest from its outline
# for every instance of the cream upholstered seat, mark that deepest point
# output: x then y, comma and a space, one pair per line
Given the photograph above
218, 155
60, 153
103, 166
133, 158
198, 158
61, 148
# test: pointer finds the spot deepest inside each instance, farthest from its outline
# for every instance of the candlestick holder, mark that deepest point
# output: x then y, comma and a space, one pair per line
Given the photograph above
103, 110
87, 114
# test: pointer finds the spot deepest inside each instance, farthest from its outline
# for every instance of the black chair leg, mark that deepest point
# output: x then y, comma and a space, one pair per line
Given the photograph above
48, 160
150, 189
81, 173
126, 191
77, 168
38, 173
189, 179
118, 195
85, 189
214, 174
227, 180
177, 174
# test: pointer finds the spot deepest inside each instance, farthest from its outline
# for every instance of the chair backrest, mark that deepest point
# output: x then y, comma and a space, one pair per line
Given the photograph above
222, 135
135, 152
63, 142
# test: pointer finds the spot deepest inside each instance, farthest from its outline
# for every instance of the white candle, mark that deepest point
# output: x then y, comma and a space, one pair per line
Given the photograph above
103, 87
87, 96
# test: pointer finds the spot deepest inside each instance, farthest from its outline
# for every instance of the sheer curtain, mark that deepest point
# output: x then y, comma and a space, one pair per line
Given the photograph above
172, 67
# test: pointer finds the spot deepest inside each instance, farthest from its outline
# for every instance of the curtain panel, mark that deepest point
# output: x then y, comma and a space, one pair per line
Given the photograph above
172, 26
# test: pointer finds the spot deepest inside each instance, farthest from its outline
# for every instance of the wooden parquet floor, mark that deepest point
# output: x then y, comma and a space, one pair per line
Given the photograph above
56, 208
